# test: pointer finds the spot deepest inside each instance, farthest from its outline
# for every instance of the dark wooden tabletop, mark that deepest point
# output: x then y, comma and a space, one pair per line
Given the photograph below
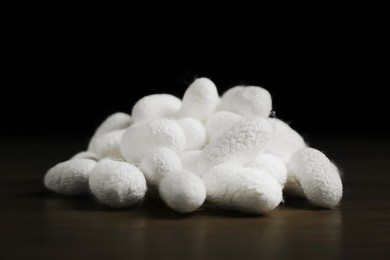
37, 224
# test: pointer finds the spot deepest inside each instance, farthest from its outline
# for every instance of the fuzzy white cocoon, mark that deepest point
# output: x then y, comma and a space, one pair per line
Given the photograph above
143, 137
247, 101
318, 177
116, 121
244, 189
272, 165
219, 122
241, 143
117, 184
200, 99
285, 140
158, 163
70, 177
194, 131
107, 145
86, 155
189, 159
155, 106
182, 191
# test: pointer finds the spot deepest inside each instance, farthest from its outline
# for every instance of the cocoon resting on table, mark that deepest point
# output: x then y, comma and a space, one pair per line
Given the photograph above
244, 189
70, 177
117, 184
182, 191
318, 178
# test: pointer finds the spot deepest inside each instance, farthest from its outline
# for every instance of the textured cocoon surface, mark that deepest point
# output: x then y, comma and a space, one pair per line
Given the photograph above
117, 184
116, 121
285, 140
272, 165
200, 99
219, 122
155, 106
247, 101
194, 131
293, 187
86, 155
189, 159
241, 143
107, 145
143, 137
182, 191
318, 177
156, 164
70, 177
243, 189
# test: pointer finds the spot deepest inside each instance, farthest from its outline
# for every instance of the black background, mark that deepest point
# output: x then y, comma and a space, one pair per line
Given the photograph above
63, 79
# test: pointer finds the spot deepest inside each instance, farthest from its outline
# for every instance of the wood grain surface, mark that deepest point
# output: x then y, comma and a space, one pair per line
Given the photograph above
38, 224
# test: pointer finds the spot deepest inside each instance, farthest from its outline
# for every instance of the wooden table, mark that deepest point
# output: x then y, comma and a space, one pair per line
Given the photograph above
38, 224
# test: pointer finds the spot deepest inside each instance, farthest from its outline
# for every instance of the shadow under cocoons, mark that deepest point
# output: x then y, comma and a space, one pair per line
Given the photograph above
152, 208
293, 202
103, 207
213, 211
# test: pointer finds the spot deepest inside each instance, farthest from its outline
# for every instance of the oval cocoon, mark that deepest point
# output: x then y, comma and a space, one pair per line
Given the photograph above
156, 164
117, 184
70, 177
243, 189
318, 177
247, 101
182, 191
143, 137
155, 106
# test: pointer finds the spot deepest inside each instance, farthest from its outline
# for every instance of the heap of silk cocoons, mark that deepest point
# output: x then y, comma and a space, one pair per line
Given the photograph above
224, 151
